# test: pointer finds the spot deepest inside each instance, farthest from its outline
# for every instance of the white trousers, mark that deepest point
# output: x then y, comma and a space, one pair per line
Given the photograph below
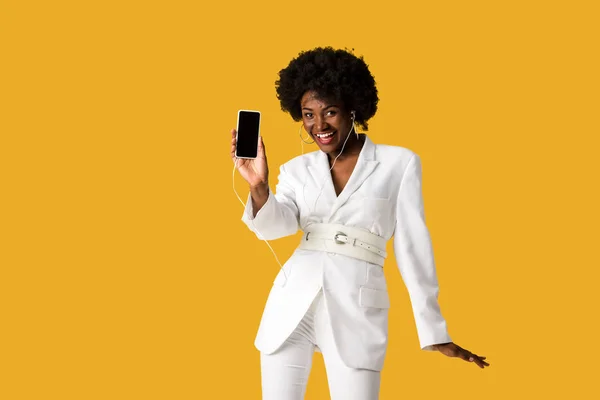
284, 374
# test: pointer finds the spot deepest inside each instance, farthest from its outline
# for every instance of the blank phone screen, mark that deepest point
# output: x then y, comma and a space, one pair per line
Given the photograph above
247, 134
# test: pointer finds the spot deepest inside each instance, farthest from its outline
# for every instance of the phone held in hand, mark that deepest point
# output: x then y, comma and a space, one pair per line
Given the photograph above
248, 132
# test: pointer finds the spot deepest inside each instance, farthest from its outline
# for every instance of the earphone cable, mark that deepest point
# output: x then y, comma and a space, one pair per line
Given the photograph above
252, 220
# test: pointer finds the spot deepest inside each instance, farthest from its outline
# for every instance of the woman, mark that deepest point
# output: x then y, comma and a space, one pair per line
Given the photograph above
349, 198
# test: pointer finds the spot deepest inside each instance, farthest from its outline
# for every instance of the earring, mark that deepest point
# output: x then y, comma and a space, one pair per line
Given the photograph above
300, 134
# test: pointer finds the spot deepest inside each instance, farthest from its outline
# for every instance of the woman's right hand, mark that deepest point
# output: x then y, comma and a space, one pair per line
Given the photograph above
254, 171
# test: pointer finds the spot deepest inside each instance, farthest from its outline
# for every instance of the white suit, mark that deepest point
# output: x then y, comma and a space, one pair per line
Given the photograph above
384, 196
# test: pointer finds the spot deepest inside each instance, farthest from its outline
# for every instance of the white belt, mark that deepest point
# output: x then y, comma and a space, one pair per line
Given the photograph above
349, 241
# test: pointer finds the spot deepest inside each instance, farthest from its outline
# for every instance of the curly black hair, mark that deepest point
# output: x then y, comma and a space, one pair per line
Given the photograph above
332, 74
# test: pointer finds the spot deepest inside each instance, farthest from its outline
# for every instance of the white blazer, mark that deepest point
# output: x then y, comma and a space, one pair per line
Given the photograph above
384, 196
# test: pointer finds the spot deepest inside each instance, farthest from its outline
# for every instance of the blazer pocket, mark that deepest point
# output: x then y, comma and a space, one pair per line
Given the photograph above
375, 277
373, 298
377, 211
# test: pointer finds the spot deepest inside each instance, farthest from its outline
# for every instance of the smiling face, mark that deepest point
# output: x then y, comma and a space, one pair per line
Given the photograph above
327, 122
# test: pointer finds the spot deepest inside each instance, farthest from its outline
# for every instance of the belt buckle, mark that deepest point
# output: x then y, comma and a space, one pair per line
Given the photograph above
335, 237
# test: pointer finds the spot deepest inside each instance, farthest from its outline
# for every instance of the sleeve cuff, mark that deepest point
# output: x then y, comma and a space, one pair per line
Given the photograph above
254, 222
430, 346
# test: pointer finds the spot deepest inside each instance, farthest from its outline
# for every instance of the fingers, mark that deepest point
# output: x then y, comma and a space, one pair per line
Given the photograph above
261, 148
474, 358
468, 356
479, 362
454, 350
233, 144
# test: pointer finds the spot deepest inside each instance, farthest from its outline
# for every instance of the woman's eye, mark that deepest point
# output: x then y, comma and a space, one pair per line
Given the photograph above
331, 113
308, 115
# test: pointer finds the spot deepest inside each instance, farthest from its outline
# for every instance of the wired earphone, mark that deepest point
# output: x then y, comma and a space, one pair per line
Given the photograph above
353, 127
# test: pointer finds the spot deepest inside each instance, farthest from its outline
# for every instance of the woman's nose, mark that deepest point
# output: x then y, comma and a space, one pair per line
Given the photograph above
320, 124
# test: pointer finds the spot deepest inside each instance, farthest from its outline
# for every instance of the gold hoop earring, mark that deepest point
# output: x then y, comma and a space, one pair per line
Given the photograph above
300, 134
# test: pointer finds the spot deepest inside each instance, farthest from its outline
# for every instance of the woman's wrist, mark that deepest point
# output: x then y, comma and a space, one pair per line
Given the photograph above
259, 194
260, 188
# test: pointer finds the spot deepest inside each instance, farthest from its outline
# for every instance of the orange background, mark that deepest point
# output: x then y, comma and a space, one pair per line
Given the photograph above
126, 273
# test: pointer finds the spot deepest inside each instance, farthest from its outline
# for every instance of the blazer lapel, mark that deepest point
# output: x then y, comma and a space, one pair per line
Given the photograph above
365, 165
319, 171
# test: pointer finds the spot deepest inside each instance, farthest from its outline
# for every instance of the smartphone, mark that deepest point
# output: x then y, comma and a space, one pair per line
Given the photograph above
248, 132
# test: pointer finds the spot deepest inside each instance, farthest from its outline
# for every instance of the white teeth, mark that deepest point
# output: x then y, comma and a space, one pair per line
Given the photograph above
325, 135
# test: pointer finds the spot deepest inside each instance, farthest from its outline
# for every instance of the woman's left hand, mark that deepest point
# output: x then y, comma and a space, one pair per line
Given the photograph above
454, 350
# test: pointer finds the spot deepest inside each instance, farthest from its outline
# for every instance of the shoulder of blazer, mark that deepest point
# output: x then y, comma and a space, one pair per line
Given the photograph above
396, 155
